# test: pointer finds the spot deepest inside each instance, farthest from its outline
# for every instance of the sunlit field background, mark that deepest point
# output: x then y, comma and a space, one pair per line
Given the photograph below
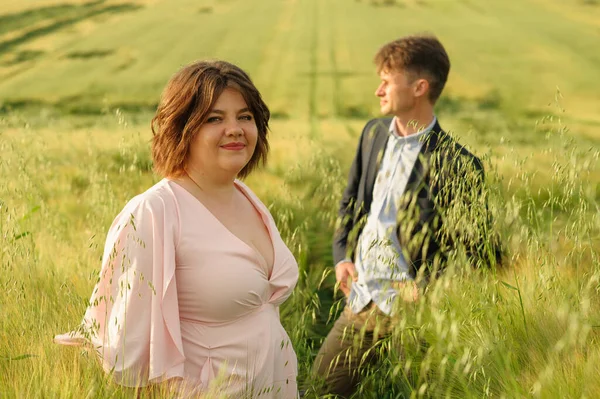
79, 81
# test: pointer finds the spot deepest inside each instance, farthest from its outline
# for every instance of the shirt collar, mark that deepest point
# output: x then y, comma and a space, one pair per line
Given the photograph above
413, 138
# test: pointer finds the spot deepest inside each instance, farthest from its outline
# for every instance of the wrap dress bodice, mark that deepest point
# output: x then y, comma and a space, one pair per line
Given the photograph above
180, 296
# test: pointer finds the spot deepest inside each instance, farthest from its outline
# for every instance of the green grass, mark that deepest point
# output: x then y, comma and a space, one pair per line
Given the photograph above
78, 84
528, 329
309, 52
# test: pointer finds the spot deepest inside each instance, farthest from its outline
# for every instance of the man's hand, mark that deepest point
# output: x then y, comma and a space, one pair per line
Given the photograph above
345, 274
407, 290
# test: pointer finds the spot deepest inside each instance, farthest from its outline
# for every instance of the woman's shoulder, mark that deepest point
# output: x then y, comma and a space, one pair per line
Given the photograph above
248, 191
155, 208
157, 199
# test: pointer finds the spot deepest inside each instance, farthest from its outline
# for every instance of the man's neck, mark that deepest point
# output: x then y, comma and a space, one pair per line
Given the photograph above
411, 123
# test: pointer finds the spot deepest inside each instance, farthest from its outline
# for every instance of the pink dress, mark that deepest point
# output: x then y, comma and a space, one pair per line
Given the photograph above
179, 295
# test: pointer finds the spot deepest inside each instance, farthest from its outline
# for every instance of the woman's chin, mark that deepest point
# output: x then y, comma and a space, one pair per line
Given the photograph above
233, 168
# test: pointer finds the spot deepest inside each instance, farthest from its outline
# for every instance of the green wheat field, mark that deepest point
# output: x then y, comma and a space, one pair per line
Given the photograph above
79, 81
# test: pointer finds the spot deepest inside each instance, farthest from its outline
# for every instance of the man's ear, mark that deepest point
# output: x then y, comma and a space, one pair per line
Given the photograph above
421, 87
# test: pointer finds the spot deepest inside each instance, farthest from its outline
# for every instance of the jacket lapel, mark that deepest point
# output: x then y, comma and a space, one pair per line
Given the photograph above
380, 137
422, 163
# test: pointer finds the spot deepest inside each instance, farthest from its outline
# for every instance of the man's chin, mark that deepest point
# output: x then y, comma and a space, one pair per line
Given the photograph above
385, 111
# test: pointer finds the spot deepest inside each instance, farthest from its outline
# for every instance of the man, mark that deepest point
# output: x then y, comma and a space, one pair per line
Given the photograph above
414, 199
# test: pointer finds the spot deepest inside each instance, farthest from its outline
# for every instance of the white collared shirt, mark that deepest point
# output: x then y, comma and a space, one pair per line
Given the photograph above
379, 261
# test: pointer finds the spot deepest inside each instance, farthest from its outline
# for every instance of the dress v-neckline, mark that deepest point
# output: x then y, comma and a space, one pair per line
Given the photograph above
257, 254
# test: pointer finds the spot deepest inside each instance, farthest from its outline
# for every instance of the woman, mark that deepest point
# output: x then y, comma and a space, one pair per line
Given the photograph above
194, 269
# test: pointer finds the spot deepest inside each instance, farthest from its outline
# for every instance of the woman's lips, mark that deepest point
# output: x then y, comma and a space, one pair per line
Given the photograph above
234, 146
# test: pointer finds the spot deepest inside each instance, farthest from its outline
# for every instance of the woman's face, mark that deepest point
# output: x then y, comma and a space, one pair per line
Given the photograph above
226, 139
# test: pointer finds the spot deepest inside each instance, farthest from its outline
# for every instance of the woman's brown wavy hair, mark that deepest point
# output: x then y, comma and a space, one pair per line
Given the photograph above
184, 105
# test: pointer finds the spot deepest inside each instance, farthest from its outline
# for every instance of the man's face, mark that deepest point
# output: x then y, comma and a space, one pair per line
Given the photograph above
397, 92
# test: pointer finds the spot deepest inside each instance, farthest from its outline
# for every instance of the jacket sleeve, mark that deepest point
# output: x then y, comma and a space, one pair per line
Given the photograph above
482, 244
132, 319
467, 226
347, 209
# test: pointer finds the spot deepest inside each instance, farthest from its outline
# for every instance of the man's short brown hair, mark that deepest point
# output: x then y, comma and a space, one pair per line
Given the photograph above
186, 102
423, 56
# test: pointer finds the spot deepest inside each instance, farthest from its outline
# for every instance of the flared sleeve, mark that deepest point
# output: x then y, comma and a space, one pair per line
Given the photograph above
132, 319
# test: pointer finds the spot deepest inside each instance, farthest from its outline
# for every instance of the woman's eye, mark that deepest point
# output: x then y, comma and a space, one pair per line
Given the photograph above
213, 119
246, 117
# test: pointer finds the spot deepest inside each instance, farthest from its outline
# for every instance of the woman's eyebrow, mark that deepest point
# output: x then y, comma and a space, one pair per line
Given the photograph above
221, 112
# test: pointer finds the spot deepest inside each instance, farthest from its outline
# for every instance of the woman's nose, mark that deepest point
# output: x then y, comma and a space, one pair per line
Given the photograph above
234, 129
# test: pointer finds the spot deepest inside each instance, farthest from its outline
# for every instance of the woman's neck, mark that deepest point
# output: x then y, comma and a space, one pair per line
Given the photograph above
220, 189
